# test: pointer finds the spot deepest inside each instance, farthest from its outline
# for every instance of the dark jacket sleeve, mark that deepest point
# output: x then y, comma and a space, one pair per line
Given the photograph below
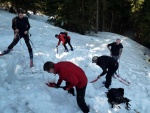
14, 24
101, 63
104, 71
110, 44
28, 24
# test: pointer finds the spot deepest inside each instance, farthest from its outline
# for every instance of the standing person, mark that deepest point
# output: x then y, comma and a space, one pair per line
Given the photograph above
21, 26
74, 76
116, 49
109, 66
65, 38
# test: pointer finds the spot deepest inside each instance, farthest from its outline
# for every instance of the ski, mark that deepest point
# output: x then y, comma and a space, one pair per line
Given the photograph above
122, 79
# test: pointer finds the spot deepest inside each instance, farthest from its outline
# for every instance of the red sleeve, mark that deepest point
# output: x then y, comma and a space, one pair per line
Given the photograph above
59, 42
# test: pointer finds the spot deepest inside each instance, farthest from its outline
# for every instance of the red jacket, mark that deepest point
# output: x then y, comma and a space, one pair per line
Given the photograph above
61, 38
71, 73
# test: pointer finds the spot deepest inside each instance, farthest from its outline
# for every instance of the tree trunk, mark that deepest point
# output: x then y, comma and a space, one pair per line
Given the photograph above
97, 17
103, 15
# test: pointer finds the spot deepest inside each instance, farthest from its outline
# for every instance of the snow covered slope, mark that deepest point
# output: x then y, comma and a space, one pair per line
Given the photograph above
23, 89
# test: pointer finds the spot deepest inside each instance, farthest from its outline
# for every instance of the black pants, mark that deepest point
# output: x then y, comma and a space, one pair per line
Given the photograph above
26, 39
80, 99
68, 41
110, 73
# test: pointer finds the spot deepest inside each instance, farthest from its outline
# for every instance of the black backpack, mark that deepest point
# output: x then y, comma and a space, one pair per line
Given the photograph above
65, 35
116, 96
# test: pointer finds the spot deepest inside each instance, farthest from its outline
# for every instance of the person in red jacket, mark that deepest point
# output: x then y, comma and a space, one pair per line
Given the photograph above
73, 75
63, 36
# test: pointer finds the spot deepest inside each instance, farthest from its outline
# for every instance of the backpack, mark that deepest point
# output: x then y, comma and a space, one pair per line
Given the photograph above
116, 96
65, 35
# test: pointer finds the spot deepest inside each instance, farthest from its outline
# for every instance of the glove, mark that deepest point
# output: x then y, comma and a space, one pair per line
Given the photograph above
57, 46
51, 84
56, 86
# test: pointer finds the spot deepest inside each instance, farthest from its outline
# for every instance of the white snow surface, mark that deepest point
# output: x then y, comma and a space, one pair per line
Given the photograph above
23, 89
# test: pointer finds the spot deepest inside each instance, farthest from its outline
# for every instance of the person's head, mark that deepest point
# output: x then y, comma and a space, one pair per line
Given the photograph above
94, 59
49, 67
118, 41
20, 13
56, 35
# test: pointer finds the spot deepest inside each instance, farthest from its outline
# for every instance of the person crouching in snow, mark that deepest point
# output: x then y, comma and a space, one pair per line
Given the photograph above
74, 76
63, 36
109, 66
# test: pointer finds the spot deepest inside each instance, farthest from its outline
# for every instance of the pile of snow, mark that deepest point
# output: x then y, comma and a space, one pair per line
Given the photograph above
23, 89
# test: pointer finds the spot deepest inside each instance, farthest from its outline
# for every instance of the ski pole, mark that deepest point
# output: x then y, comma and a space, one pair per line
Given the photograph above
36, 50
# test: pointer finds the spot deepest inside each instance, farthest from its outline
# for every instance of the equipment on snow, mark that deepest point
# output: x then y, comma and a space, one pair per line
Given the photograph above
116, 96
52, 84
120, 79
95, 79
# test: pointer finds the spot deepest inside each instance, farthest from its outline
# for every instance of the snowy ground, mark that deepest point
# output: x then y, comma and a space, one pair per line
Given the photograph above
23, 89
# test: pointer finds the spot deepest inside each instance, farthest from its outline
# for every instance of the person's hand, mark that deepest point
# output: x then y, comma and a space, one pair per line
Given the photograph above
56, 46
16, 30
26, 32
51, 84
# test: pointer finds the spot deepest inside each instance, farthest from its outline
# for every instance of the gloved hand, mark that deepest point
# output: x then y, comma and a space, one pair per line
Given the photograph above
56, 86
57, 46
51, 84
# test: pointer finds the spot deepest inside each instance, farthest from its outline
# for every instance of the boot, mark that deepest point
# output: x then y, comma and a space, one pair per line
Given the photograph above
6, 51
31, 62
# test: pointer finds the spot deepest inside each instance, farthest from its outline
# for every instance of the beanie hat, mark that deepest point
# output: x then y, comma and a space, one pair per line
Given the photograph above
94, 59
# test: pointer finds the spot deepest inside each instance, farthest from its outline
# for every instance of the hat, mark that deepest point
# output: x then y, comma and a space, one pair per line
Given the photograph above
56, 35
94, 59
48, 65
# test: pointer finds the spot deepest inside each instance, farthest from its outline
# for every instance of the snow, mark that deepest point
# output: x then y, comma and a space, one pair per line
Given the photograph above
23, 89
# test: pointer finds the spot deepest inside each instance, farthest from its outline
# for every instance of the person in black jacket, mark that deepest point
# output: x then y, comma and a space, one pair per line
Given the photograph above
109, 66
115, 49
21, 26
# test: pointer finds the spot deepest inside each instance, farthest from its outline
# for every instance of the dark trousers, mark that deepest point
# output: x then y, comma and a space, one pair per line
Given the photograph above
110, 73
26, 39
80, 99
68, 41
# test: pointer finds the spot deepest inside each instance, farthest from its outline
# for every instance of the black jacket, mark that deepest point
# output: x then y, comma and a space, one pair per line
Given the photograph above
106, 62
21, 24
115, 49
